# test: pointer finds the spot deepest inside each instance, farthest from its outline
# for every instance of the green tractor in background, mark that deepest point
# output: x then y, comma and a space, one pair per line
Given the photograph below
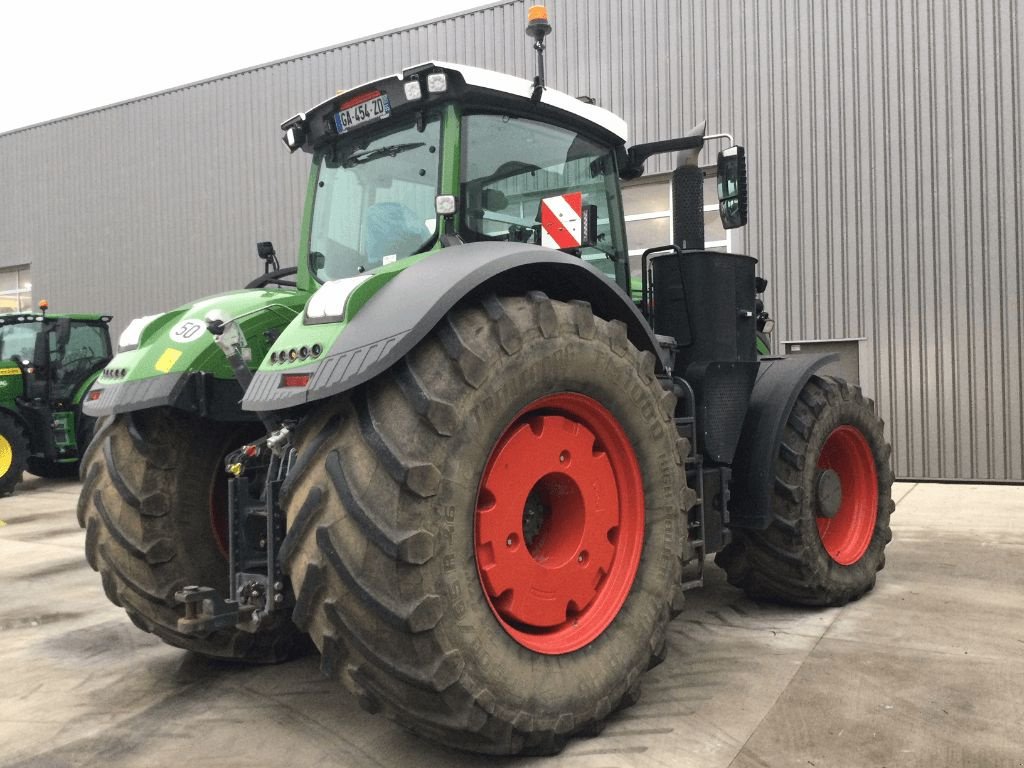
47, 363
460, 456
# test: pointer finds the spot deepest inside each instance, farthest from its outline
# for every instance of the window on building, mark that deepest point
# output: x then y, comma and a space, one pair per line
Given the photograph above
15, 289
648, 207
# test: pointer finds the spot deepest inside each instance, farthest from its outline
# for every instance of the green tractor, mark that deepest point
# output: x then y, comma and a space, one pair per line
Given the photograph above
460, 457
47, 363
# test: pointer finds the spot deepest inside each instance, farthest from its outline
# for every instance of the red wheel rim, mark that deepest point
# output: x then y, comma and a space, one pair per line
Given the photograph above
559, 523
846, 536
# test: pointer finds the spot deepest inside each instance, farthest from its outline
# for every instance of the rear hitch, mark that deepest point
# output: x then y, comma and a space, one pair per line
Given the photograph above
206, 611
256, 529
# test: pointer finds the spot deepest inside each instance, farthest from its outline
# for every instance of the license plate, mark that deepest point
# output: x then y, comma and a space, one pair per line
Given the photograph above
372, 106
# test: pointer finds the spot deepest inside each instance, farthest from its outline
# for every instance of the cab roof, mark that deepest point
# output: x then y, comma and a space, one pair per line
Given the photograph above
11, 318
472, 85
517, 86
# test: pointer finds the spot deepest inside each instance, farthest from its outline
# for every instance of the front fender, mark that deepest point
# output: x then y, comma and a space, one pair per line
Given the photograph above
178, 364
410, 304
778, 384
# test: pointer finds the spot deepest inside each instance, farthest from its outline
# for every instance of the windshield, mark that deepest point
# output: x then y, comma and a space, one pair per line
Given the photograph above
18, 342
375, 199
510, 164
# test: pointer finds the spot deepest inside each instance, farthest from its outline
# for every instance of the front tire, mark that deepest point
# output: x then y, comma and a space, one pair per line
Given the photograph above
14, 449
831, 506
435, 517
153, 503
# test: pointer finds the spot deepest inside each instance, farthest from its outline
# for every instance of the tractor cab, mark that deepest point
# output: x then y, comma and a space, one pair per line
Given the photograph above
47, 362
444, 154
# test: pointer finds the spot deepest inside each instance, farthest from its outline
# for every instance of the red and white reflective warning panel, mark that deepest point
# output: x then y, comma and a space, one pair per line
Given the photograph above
561, 221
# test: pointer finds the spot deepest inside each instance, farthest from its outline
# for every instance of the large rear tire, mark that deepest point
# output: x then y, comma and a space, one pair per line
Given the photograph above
450, 522
831, 506
153, 505
14, 449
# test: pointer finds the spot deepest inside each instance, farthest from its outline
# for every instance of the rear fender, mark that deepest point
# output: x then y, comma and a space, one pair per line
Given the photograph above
410, 304
778, 384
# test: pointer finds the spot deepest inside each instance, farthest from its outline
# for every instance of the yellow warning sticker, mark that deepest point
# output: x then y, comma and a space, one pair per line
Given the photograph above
10, 371
167, 360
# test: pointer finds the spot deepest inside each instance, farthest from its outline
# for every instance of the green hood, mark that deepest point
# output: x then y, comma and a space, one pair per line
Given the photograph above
178, 342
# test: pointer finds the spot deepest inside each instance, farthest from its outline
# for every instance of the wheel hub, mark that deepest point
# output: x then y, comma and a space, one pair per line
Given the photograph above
559, 523
534, 516
829, 493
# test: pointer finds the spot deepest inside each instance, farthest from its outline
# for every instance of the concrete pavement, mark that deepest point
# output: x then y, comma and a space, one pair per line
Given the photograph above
927, 670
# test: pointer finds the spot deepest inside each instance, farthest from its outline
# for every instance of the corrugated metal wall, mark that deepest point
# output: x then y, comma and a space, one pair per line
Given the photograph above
885, 143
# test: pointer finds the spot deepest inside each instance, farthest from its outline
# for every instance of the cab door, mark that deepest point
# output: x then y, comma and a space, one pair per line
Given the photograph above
511, 165
77, 351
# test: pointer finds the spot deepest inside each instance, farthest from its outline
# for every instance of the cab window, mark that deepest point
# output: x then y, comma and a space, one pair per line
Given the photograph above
375, 197
87, 349
510, 164
18, 342
87, 343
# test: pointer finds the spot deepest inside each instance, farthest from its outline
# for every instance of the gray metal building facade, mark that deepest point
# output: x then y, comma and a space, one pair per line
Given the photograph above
884, 140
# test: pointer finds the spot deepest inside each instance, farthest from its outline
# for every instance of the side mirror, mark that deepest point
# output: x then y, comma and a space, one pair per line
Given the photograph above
732, 187
265, 251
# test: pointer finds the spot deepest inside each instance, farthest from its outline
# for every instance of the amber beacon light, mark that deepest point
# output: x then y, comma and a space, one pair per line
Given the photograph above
538, 28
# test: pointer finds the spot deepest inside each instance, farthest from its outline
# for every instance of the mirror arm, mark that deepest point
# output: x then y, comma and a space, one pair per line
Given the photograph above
638, 154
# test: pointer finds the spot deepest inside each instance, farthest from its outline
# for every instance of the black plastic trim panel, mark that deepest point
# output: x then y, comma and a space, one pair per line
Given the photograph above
195, 392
